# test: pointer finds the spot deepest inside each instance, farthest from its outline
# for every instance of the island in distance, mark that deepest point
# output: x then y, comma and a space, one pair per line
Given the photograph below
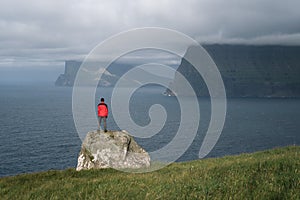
109, 76
247, 71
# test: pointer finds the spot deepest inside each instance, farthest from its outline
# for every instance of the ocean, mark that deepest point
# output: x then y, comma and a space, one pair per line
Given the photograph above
37, 131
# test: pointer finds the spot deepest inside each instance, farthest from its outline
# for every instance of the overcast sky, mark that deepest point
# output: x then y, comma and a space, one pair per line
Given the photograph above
44, 33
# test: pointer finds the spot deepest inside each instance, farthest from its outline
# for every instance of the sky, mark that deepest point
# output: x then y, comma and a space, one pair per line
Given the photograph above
38, 36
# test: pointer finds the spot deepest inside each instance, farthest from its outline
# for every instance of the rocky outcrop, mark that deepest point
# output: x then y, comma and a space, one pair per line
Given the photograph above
113, 149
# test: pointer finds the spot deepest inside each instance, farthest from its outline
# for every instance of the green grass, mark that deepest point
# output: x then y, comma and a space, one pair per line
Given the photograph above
272, 174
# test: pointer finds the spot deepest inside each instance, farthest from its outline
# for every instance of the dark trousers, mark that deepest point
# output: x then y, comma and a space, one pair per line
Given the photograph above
104, 122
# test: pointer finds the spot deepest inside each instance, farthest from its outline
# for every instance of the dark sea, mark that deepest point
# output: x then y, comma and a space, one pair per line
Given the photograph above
37, 131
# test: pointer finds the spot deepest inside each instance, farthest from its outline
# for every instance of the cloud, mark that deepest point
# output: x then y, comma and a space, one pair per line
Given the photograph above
33, 30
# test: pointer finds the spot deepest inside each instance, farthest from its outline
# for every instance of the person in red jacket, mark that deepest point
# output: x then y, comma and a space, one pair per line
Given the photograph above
102, 114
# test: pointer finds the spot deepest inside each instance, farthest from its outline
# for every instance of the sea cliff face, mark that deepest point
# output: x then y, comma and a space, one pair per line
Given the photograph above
248, 71
67, 78
71, 69
109, 76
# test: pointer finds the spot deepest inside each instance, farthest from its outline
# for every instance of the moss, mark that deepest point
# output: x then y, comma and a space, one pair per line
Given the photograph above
110, 134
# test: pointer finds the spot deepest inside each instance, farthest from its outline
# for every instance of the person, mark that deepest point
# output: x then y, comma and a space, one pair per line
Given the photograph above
102, 114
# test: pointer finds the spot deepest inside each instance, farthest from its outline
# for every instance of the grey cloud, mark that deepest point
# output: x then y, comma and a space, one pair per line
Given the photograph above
58, 30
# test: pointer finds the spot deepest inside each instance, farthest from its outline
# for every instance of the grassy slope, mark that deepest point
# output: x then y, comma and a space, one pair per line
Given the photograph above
273, 174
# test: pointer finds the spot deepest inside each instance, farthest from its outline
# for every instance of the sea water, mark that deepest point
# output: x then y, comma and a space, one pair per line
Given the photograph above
37, 130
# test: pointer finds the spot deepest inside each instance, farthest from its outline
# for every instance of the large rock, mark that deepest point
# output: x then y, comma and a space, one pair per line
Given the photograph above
113, 149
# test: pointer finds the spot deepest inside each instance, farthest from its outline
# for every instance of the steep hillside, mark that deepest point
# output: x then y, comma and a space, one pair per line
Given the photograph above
249, 71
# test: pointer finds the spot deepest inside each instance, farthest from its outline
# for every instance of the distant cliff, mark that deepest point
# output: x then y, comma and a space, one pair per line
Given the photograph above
71, 69
109, 76
248, 71
67, 79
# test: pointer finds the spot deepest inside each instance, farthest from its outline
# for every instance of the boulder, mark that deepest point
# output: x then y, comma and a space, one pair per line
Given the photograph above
113, 149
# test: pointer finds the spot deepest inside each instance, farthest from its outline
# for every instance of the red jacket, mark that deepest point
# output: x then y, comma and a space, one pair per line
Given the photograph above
102, 110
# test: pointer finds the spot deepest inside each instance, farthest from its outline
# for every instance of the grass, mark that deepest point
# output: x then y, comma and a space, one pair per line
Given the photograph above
272, 174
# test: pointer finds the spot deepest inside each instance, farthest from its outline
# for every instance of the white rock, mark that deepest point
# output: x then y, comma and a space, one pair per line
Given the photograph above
113, 149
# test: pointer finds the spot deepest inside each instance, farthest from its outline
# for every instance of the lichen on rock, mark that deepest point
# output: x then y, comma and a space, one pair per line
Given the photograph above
113, 149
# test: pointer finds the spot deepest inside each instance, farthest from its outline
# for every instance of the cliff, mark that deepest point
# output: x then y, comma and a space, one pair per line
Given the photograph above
109, 76
67, 79
248, 71
71, 69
